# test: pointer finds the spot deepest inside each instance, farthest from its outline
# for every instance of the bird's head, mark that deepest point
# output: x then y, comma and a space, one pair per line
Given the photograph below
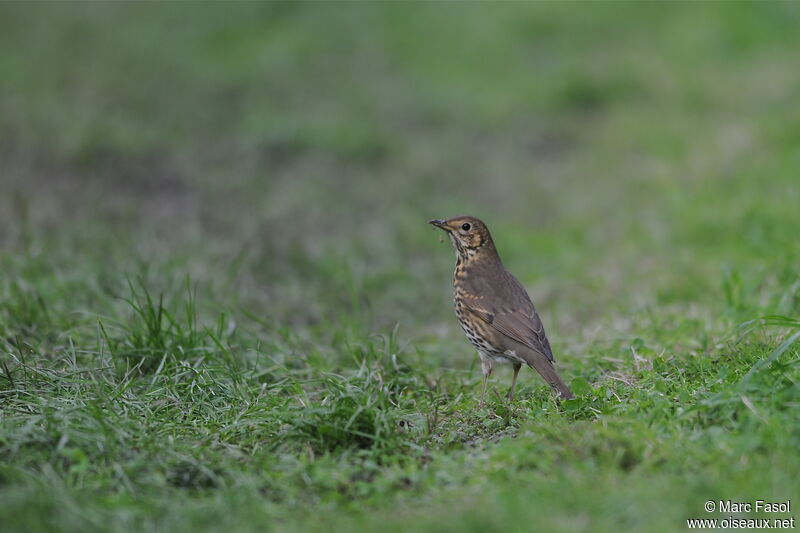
470, 236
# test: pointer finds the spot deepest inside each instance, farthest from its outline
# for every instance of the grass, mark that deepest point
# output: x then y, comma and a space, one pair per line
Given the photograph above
221, 305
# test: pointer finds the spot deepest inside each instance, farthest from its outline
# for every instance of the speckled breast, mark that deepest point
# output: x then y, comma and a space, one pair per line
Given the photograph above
474, 328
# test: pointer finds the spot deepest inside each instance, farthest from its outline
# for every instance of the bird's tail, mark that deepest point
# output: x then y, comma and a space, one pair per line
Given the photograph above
546, 369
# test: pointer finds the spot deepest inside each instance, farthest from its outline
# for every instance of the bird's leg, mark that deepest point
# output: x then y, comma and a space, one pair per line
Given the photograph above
486, 366
517, 366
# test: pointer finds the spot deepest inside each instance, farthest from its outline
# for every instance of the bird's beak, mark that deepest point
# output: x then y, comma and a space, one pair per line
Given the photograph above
439, 224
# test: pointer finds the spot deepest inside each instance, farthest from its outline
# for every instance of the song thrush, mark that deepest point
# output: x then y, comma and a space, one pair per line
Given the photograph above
493, 307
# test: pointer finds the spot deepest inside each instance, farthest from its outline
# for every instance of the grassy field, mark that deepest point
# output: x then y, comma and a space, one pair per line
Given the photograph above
221, 306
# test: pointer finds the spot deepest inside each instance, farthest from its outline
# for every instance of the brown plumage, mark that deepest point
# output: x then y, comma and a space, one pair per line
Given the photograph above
494, 309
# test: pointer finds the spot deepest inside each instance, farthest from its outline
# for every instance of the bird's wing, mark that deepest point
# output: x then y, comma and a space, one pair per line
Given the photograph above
516, 317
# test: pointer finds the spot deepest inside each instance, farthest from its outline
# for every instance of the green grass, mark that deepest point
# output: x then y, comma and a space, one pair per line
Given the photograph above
221, 306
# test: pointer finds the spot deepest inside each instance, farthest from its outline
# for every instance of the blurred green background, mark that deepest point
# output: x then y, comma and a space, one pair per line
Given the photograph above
637, 163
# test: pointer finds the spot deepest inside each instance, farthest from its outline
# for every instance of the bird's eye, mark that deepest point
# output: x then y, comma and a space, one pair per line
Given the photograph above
465, 226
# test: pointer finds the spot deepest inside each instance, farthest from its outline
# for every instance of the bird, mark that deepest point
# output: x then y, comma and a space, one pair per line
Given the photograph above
494, 309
